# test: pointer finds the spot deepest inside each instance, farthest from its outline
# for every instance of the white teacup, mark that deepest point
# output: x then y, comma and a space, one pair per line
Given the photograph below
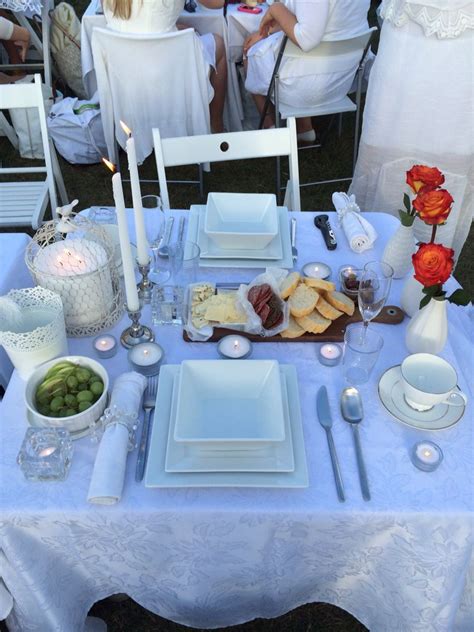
429, 380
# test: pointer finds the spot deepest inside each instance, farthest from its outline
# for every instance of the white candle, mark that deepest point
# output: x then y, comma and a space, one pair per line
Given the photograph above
316, 270
142, 242
105, 346
426, 456
146, 358
330, 354
46, 451
234, 347
131, 291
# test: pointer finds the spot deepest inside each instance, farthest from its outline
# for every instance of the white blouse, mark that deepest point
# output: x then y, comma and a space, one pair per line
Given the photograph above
6, 29
148, 16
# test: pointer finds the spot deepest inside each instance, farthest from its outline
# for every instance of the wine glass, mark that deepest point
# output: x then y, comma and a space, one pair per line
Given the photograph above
374, 288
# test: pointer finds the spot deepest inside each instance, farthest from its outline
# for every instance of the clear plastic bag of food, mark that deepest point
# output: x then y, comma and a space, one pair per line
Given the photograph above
267, 313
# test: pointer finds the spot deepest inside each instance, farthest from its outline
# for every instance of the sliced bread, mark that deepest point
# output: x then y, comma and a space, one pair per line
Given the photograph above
341, 302
327, 310
313, 323
289, 285
319, 284
293, 330
303, 300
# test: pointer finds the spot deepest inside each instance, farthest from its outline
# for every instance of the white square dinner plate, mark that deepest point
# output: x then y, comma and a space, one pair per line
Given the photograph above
247, 221
210, 250
157, 476
276, 457
226, 405
286, 261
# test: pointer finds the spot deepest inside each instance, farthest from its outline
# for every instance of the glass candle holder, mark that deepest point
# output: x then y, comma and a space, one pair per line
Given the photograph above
426, 456
330, 354
145, 358
105, 346
45, 454
316, 270
234, 347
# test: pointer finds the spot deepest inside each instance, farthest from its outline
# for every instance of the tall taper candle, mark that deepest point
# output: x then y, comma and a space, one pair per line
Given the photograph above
131, 291
143, 255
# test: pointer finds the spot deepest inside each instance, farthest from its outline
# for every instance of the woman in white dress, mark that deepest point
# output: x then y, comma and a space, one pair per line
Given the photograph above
420, 110
161, 16
306, 23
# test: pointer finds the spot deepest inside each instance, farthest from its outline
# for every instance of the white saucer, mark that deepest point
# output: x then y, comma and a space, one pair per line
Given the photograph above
156, 475
392, 397
210, 250
185, 457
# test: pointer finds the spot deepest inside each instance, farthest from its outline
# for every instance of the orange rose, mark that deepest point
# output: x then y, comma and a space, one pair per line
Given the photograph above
433, 206
420, 177
433, 264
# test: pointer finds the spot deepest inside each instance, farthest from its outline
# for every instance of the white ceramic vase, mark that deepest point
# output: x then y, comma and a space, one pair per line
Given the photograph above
412, 294
399, 250
428, 329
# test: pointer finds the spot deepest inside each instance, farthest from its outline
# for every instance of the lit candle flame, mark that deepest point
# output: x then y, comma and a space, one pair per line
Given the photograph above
109, 165
103, 342
145, 352
236, 345
126, 129
427, 453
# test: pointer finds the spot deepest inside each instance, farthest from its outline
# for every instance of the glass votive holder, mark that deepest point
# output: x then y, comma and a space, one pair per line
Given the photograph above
330, 354
426, 456
316, 270
349, 280
45, 454
167, 305
105, 346
234, 347
145, 358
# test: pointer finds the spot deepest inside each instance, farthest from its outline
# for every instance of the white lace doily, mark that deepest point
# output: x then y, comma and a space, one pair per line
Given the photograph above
22, 5
441, 18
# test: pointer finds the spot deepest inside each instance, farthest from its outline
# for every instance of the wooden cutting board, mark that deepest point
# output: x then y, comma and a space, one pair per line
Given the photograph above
390, 315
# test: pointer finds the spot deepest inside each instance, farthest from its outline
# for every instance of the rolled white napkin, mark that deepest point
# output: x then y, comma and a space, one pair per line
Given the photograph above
359, 232
6, 601
109, 468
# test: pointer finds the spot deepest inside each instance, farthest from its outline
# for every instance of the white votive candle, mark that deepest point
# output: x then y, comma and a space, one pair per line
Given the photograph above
316, 270
426, 456
330, 354
145, 358
234, 347
105, 346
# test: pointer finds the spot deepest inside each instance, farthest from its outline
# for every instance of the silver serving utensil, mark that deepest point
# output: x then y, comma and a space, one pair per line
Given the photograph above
352, 411
294, 249
182, 224
163, 249
325, 419
149, 399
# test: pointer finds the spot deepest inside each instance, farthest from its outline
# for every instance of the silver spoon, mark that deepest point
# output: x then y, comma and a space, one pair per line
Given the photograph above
352, 411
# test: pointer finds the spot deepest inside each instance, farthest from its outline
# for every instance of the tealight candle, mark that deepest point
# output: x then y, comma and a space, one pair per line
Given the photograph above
330, 354
316, 270
234, 347
145, 358
105, 346
426, 456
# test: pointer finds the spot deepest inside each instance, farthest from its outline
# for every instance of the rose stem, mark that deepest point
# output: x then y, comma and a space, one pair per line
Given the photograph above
433, 233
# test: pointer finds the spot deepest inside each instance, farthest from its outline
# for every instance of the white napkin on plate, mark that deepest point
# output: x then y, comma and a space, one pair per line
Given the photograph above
359, 232
109, 468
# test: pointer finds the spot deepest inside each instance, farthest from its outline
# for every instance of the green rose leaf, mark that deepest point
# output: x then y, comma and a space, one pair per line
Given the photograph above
407, 203
432, 290
405, 218
460, 297
424, 301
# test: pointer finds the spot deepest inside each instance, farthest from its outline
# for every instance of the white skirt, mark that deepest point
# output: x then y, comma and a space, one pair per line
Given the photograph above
301, 82
419, 109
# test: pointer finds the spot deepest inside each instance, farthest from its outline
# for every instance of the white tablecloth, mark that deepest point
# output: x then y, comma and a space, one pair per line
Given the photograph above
13, 274
217, 557
203, 21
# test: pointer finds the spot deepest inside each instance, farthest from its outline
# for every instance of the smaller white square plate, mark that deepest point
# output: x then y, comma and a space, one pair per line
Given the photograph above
229, 405
156, 475
182, 457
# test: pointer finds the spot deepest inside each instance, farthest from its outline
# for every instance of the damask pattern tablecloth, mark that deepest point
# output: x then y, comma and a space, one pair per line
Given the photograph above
216, 557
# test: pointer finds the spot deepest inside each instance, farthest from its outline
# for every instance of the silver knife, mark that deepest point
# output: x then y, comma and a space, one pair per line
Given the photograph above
163, 249
182, 223
325, 419
294, 250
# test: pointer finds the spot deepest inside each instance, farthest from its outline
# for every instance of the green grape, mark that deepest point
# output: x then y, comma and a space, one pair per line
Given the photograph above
70, 400
82, 406
97, 388
85, 396
71, 411
72, 382
56, 404
82, 375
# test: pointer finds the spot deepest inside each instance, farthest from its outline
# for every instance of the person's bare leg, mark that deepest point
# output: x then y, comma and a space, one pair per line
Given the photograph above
260, 103
219, 83
304, 124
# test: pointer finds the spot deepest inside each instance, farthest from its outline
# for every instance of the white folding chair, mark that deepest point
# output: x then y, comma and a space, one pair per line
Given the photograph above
147, 81
336, 56
173, 152
23, 203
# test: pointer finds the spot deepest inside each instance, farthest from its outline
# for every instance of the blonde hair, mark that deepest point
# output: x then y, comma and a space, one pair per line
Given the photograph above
120, 8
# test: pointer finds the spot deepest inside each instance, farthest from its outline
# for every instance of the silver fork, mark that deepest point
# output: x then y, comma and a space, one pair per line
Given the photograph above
148, 405
294, 250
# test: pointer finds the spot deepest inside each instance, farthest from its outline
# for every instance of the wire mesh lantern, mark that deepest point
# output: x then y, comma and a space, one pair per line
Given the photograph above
75, 258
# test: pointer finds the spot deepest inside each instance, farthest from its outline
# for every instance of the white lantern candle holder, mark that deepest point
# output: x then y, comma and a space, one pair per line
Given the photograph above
78, 265
39, 334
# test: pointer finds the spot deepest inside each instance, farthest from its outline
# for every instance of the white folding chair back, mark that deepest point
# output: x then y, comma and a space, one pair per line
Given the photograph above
147, 81
172, 152
24, 203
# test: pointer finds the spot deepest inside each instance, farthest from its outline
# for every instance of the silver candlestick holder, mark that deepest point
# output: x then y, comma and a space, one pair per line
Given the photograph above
145, 287
136, 333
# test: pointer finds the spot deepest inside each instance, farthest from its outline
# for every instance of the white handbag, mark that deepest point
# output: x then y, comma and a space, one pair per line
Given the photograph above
76, 129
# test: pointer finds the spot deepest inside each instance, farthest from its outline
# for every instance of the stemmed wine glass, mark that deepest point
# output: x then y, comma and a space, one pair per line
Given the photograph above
374, 288
154, 219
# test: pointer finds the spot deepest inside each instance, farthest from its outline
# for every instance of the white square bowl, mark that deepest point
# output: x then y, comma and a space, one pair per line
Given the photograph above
229, 404
246, 221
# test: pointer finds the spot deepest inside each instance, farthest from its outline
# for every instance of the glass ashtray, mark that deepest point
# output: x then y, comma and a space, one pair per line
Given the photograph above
45, 454
167, 305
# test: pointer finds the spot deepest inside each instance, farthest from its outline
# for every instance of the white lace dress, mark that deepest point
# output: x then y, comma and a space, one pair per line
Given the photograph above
420, 109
